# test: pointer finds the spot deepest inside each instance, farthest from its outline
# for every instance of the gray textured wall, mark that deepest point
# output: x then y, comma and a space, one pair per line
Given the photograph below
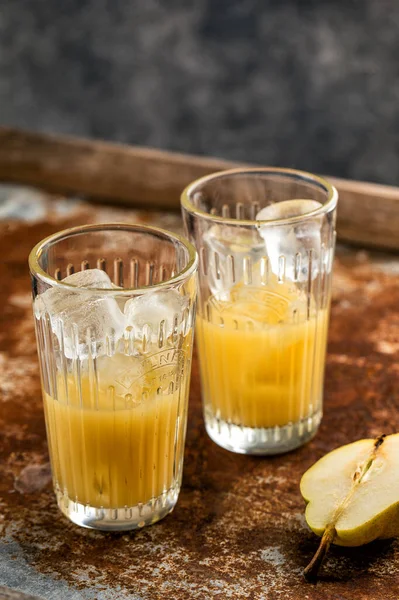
311, 84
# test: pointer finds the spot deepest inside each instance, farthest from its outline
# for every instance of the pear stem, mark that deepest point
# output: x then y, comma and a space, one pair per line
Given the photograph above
312, 570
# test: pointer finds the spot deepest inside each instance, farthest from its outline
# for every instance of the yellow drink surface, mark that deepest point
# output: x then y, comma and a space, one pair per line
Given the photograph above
119, 443
262, 355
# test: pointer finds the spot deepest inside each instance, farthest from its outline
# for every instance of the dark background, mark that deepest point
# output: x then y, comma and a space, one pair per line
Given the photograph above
310, 84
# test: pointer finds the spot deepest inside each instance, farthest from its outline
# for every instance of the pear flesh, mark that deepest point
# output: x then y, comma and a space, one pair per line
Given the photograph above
353, 493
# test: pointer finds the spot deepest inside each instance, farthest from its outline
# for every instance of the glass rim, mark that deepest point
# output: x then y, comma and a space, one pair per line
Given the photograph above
329, 205
37, 271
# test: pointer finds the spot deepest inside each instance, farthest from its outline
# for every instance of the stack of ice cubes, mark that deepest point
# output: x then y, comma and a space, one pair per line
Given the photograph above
292, 240
85, 321
227, 244
227, 248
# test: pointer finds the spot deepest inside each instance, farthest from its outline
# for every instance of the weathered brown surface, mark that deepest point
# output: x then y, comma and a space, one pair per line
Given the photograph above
238, 530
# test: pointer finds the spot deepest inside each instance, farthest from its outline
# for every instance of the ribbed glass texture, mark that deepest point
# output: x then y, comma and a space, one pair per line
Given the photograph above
266, 241
114, 309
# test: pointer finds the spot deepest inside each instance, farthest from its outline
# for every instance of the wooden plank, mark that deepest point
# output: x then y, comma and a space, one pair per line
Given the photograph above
103, 170
368, 213
9, 594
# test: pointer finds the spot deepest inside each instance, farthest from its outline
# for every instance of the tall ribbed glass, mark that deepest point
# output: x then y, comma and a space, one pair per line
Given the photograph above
266, 240
114, 309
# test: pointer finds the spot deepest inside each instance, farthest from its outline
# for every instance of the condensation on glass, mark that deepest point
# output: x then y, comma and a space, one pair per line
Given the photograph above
114, 309
266, 239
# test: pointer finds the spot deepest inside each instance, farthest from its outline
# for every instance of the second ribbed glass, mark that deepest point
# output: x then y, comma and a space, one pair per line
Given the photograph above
266, 243
114, 310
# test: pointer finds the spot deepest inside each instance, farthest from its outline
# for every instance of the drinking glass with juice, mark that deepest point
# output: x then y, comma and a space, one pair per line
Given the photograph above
114, 309
266, 241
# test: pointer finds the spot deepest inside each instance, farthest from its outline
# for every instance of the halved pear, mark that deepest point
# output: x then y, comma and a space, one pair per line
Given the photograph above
353, 494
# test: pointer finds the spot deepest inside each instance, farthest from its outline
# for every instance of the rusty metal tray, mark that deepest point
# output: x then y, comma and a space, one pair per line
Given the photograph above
238, 530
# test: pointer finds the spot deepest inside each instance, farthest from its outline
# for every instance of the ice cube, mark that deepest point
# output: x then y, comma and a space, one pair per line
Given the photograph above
230, 252
122, 373
72, 314
287, 209
292, 241
161, 311
90, 278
